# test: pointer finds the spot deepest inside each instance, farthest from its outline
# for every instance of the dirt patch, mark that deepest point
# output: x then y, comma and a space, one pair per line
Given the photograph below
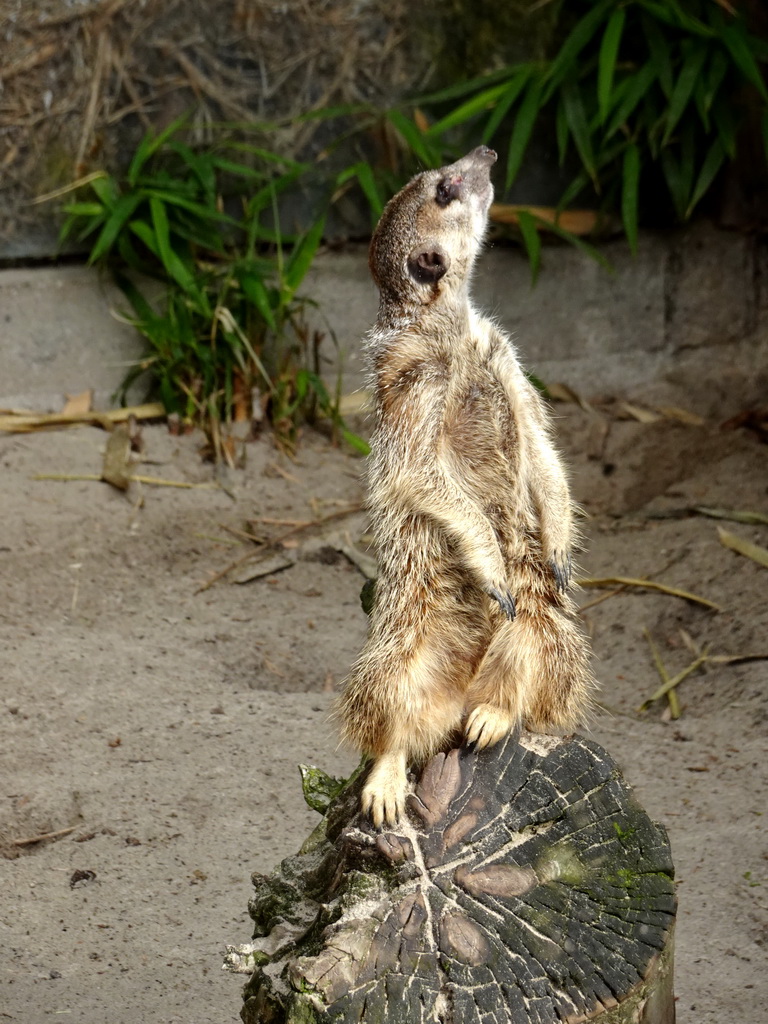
163, 723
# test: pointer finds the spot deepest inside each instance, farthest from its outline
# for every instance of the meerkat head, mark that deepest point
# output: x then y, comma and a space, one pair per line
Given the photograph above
431, 232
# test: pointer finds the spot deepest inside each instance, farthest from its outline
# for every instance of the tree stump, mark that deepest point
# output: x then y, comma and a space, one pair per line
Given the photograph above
527, 887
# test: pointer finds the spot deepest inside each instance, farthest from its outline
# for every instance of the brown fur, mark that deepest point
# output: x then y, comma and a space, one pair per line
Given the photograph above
469, 505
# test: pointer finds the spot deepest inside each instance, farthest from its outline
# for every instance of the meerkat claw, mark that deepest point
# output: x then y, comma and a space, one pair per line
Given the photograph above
506, 602
487, 725
383, 796
561, 570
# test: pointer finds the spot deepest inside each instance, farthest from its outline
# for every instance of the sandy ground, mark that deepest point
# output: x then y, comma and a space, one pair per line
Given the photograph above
163, 724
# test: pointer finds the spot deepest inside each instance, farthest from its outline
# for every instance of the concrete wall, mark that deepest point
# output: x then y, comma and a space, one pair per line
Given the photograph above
686, 321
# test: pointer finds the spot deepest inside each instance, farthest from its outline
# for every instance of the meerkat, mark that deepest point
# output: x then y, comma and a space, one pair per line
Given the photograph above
472, 630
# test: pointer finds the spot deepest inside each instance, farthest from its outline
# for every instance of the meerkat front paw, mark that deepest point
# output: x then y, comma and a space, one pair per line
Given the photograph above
487, 725
505, 600
383, 796
562, 569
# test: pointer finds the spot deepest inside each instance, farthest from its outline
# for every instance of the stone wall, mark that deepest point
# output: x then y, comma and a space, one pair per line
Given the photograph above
684, 322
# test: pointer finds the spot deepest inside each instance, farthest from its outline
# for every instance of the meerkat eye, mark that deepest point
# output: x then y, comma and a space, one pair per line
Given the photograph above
447, 191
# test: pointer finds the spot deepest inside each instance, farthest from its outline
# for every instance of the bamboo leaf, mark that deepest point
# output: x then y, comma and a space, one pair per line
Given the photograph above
301, 256
606, 61
467, 110
453, 92
630, 189
532, 241
561, 132
636, 88
590, 250
734, 38
718, 68
670, 12
149, 145
511, 93
578, 38
170, 198
84, 209
107, 191
579, 127
684, 86
743, 547
671, 169
172, 263
660, 54
725, 123
687, 163
364, 174
713, 161
426, 153
118, 216
521, 133
256, 291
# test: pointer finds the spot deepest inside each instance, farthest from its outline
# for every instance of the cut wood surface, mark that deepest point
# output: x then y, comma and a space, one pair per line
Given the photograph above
527, 886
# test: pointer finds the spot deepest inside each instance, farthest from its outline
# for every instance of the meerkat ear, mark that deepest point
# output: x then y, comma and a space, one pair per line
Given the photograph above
428, 264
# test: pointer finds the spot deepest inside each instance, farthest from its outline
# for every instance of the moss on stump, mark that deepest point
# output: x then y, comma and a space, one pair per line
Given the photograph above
528, 886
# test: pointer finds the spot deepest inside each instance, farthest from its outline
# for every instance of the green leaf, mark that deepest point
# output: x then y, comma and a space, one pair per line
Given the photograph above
577, 122
256, 291
294, 166
84, 209
363, 172
107, 191
736, 40
301, 257
149, 145
467, 110
429, 155
725, 123
511, 93
636, 87
174, 266
531, 240
606, 61
136, 298
670, 12
521, 133
201, 165
671, 169
238, 169
118, 217
354, 440
713, 161
453, 92
578, 38
561, 132
590, 250
209, 213
718, 68
630, 188
684, 86
687, 161
660, 55
700, 98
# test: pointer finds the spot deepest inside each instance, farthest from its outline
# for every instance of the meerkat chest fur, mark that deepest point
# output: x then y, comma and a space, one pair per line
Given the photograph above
447, 383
